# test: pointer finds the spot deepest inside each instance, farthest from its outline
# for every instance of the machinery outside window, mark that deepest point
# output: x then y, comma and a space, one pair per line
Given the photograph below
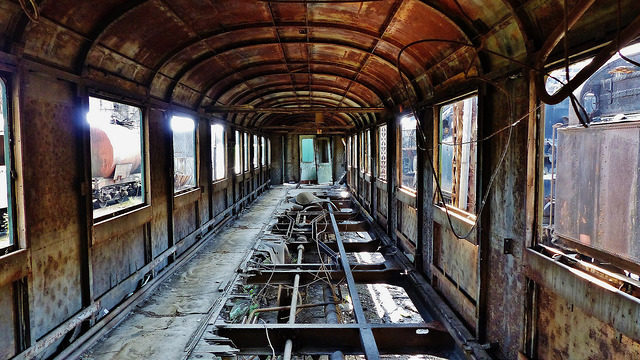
237, 167
245, 151
591, 174
382, 152
184, 153
263, 151
117, 161
256, 145
217, 152
408, 153
6, 220
457, 152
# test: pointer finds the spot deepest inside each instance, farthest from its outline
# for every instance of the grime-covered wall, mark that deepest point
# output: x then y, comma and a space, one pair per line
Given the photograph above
67, 271
287, 148
506, 295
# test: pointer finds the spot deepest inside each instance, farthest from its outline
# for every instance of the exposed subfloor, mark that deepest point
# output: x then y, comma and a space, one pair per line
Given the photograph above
161, 326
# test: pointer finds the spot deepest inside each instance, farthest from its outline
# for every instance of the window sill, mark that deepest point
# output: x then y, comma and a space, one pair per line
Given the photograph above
14, 265
406, 196
117, 225
186, 197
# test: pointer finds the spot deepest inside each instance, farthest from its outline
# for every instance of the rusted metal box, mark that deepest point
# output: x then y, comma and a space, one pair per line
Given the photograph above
597, 187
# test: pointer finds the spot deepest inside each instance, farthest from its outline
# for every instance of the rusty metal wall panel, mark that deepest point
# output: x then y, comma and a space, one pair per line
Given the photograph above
565, 331
597, 187
7, 323
54, 220
116, 259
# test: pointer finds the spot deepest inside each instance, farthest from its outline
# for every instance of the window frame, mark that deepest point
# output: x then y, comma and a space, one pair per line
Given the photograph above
599, 256
263, 151
256, 151
214, 179
268, 152
401, 186
349, 152
10, 167
436, 143
195, 155
145, 183
237, 153
245, 152
382, 153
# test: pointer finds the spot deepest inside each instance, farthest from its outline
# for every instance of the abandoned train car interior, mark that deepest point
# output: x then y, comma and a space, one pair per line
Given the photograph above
319, 179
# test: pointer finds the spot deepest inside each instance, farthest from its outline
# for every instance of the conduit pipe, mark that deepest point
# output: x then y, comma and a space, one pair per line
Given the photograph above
288, 346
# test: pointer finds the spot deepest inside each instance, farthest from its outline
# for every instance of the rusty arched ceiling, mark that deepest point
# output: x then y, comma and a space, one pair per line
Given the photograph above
290, 53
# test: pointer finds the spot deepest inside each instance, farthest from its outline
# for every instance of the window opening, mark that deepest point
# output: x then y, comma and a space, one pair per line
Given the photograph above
217, 152
349, 152
269, 151
6, 218
307, 151
408, 153
236, 164
458, 128
245, 151
590, 175
382, 154
184, 153
255, 151
117, 164
263, 150
323, 148
356, 148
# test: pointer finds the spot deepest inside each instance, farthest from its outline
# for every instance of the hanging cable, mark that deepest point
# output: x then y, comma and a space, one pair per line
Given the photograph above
34, 13
618, 45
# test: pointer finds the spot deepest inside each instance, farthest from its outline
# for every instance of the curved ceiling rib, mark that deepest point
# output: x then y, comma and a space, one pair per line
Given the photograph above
237, 84
318, 93
276, 100
254, 66
199, 62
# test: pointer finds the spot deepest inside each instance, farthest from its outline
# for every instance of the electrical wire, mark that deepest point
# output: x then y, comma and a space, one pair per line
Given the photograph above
618, 26
34, 14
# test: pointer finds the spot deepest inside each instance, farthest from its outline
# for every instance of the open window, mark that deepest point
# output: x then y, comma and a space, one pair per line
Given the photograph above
263, 151
457, 152
408, 153
245, 152
237, 163
349, 152
356, 148
382, 152
269, 151
256, 145
117, 161
590, 175
217, 152
6, 204
184, 153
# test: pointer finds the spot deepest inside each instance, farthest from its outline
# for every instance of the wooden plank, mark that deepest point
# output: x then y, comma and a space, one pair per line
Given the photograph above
121, 224
186, 198
458, 300
14, 266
